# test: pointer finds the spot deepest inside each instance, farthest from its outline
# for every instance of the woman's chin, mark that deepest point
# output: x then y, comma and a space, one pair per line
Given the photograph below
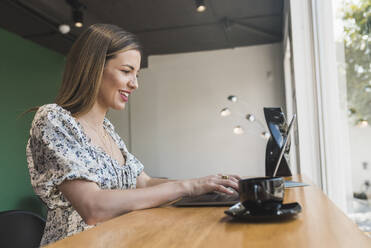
120, 106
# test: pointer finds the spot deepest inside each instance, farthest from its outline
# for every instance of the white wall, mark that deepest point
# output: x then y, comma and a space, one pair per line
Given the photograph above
120, 119
176, 129
360, 144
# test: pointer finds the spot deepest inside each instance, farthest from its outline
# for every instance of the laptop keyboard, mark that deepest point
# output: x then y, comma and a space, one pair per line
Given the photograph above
214, 198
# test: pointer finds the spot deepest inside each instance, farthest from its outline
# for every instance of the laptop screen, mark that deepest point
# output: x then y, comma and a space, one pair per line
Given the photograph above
276, 123
278, 128
283, 148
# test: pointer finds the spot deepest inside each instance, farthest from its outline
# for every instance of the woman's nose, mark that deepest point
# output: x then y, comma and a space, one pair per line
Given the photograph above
133, 83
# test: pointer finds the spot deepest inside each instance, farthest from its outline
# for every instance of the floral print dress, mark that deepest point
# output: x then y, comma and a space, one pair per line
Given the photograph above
59, 150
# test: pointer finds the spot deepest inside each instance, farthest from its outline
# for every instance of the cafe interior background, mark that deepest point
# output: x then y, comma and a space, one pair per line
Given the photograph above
275, 53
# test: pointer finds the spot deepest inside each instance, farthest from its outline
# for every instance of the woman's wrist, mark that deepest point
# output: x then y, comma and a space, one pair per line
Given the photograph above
184, 187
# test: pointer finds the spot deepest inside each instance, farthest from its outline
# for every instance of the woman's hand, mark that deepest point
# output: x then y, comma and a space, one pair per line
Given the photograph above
203, 185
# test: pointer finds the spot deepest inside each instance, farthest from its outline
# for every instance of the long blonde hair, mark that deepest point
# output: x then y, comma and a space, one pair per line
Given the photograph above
85, 63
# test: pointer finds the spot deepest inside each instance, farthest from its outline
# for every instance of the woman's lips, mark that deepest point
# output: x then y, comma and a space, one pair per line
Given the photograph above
124, 98
124, 95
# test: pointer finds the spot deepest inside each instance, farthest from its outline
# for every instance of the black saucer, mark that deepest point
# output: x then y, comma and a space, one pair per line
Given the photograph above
289, 210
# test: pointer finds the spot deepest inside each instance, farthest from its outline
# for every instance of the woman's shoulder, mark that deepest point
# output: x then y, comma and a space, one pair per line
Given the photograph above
54, 117
50, 110
51, 113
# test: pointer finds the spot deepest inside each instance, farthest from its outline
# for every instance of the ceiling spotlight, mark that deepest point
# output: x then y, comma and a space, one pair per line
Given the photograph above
232, 98
200, 5
64, 28
250, 117
77, 12
78, 18
225, 112
238, 130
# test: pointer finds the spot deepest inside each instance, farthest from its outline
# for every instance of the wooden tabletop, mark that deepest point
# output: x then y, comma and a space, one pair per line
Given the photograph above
320, 224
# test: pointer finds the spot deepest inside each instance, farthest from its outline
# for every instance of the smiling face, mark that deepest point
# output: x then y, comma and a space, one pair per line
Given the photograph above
119, 80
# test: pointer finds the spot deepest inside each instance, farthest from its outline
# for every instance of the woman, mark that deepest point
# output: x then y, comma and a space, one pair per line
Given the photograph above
78, 164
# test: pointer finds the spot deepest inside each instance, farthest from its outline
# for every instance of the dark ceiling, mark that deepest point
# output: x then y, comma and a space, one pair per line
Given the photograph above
163, 26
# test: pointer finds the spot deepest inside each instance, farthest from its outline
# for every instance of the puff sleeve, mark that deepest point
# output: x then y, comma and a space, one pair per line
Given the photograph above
55, 153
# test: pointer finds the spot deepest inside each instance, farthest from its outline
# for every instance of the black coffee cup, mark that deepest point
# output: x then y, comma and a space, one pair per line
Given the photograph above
262, 194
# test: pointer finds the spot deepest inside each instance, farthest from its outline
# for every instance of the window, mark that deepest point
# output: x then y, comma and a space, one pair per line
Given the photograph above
352, 26
332, 81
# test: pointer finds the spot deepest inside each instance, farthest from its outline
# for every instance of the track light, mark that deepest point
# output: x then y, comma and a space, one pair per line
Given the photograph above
64, 28
238, 130
225, 112
200, 5
232, 98
78, 18
265, 135
250, 117
77, 12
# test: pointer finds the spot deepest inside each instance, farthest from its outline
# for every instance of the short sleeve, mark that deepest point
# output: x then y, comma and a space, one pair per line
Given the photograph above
55, 153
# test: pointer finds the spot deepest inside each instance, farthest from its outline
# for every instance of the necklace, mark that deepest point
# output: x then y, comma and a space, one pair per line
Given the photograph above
102, 138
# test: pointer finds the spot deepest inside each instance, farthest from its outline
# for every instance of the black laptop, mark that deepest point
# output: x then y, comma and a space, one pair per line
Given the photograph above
222, 199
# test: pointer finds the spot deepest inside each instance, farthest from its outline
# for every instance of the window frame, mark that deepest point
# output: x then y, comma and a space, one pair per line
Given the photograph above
322, 125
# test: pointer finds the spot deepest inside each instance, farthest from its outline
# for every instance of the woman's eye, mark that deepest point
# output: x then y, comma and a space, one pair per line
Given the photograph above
127, 72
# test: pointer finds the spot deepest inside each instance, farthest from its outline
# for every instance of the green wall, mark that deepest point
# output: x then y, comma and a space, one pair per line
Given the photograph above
30, 76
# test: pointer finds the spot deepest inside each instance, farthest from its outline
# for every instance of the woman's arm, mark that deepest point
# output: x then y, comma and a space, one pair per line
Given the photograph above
143, 180
96, 205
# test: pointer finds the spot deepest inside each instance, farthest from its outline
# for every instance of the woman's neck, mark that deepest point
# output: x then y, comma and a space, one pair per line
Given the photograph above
95, 116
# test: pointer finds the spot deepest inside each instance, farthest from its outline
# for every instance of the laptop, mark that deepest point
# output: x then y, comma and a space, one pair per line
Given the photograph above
222, 199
